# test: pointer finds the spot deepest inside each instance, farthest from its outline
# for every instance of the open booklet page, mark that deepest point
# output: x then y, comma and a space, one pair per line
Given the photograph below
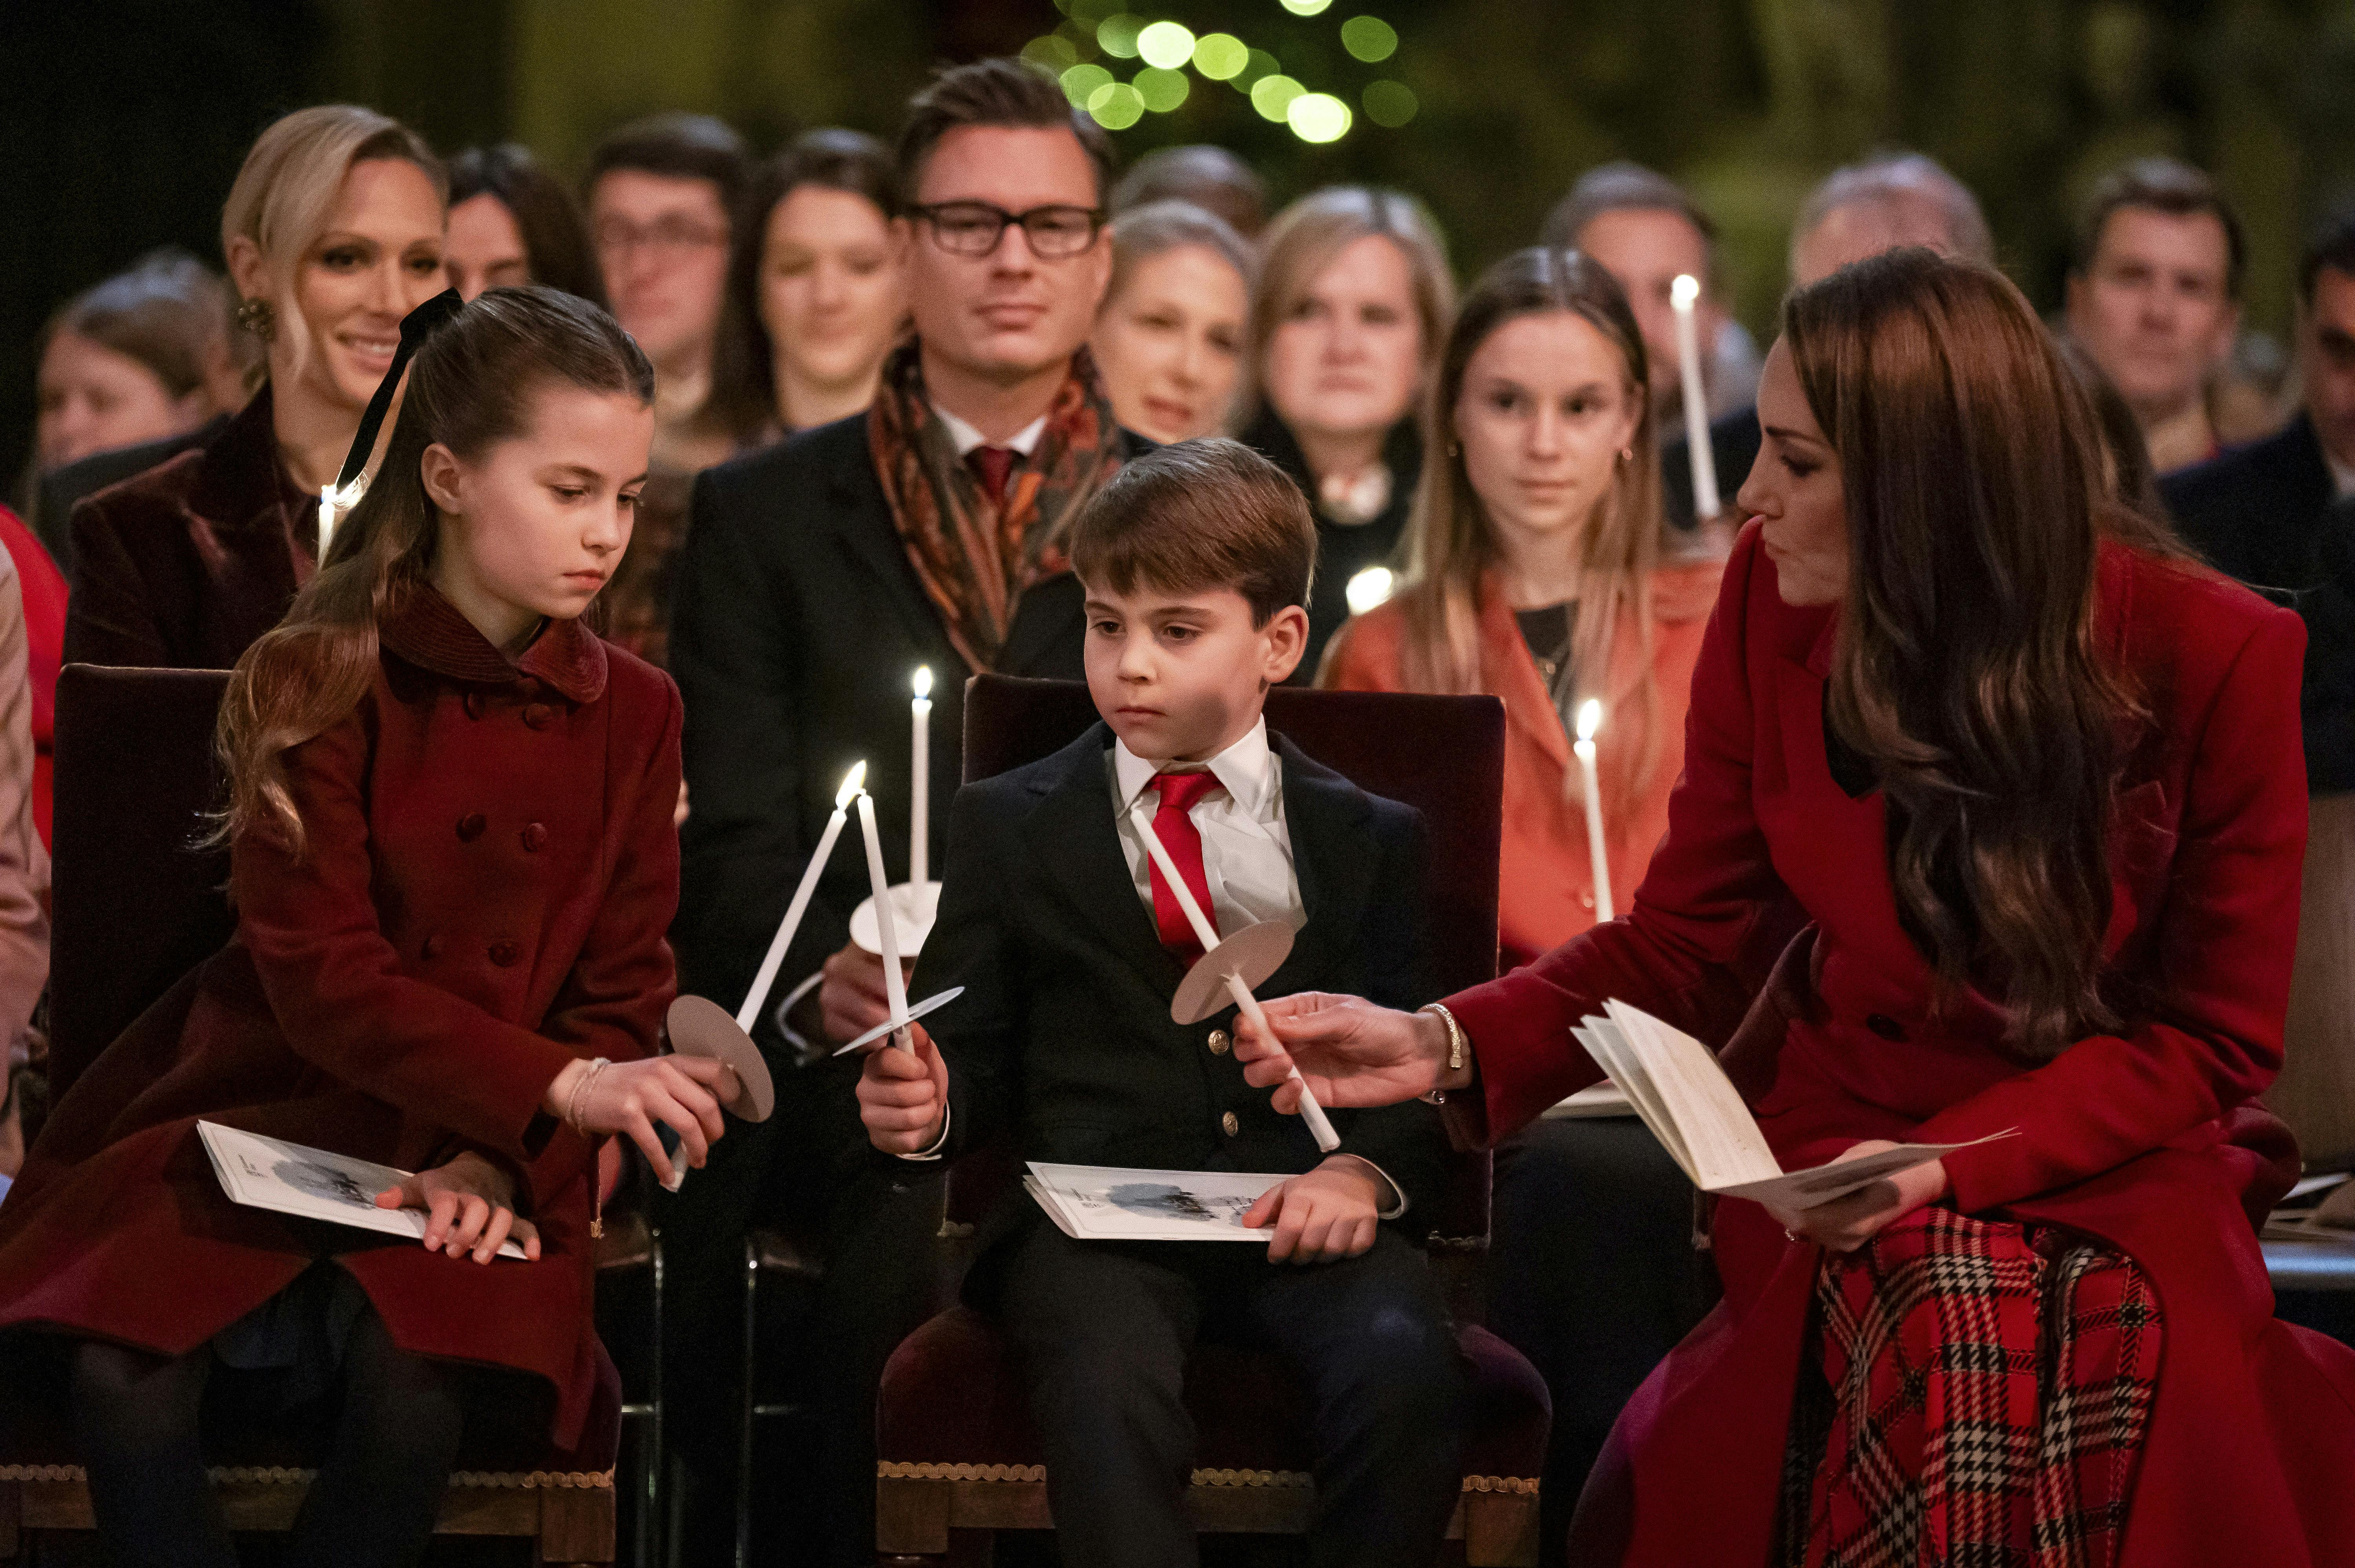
1107, 1202
1675, 1085
312, 1183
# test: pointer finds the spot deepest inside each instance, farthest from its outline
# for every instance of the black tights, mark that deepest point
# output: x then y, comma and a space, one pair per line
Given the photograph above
395, 1438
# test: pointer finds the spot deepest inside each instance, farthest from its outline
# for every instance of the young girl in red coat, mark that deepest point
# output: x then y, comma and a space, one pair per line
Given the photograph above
454, 864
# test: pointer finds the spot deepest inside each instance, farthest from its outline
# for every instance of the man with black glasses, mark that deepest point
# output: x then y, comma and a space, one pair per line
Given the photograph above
817, 576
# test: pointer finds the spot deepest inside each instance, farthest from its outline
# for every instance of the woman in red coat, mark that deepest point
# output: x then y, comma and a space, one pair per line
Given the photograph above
2036, 781
453, 865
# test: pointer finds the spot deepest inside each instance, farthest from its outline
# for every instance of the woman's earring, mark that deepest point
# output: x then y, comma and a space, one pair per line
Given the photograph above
256, 317
1455, 448
1627, 454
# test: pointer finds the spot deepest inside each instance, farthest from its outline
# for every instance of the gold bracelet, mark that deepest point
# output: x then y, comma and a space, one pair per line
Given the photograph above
1455, 1047
580, 1086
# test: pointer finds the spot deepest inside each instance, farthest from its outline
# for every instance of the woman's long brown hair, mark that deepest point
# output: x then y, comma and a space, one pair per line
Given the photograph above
1966, 668
471, 387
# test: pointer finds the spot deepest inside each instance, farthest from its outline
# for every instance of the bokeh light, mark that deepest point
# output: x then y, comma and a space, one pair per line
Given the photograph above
1117, 34
1390, 103
1081, 82
1273, 96
1161, 88
1221, 55
1257, 64
1369, 38
1116, 106
1317, 117
1305, 7
1166, 46
1054, 51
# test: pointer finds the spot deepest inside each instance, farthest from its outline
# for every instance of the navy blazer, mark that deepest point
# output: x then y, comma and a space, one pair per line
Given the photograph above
1063, 1039
2256, 512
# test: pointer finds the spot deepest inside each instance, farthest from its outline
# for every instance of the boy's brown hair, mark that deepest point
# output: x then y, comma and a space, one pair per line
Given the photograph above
1196, 516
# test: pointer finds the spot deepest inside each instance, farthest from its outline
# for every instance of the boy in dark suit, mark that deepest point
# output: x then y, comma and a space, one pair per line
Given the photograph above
1195, 561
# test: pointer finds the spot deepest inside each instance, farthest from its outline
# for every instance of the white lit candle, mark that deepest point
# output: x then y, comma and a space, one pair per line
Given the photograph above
1590, 719
920, 809
1245, 1002
895, 984
326, 519
762, 982
1684, 294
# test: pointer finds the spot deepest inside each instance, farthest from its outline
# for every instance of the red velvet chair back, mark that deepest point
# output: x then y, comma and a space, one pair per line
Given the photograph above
1444, 756
138, 902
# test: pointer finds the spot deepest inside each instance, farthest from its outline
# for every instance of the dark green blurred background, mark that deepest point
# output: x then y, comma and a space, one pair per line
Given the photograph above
127, 118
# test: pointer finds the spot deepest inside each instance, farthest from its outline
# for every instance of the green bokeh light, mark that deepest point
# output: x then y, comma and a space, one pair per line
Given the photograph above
1054, 51
1166, 45
1257, 64
1273, 95
1305, 7
1221, 55
1116, 106
1390, 103
1081, 82
1161, 88
1369, 38
1317, 117
1117, 34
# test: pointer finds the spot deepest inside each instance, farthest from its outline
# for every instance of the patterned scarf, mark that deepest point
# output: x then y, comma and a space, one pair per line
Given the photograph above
973, 556
1979, 1395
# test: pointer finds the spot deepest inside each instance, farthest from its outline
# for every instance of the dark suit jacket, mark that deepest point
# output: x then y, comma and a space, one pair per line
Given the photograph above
2256, 511
1733, 439
2327, 696
185, 565
797, 624
1343, 549
1063, 1038
62, 489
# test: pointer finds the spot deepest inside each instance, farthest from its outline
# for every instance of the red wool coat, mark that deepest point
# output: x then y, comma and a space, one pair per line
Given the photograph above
490, 872
2147, 1139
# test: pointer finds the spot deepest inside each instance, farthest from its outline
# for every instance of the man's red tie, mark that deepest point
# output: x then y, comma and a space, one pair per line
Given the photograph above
992, 465
1173, 824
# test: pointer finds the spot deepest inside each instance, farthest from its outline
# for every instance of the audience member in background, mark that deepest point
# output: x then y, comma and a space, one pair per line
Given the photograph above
2256, 512
513, 222
1210, 177
817, 295
1352, 303
1169, 339
662, 195
137, 368
1887, 200
817, 574
2154, 297
332, 232
42, 596
1648, 231
23, 872
1540, 571
2125, 457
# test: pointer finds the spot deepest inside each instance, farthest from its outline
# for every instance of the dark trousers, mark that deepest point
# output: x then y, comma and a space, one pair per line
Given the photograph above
394, 1438
872, 1222
1105, 1329
1594, 1277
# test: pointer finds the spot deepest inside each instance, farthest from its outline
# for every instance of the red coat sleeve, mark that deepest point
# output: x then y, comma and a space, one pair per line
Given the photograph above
1676, 952
2228, 930
336, 985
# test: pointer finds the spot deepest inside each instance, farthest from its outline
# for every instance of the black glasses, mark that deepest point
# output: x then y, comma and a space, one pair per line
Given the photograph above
974, 227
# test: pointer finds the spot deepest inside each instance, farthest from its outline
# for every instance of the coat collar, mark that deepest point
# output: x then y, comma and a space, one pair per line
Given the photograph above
427, 630
243, 483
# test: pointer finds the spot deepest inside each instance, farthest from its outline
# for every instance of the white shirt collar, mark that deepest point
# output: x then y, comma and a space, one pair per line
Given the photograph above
1024, 440
1246, 768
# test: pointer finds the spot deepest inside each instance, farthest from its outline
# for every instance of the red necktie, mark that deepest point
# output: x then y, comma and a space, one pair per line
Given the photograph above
1173, 824
992, 466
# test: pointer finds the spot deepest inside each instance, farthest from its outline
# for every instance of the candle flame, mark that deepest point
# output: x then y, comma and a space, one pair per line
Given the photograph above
1684, 292
852, 783
1368, 589
1590, 718
923, 682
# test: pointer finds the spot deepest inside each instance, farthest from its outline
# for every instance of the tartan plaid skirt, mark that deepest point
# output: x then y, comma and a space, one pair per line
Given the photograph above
1977, 1395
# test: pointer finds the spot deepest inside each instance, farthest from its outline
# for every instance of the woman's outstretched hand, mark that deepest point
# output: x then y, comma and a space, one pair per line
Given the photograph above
469, 1207
682, 1093
1846, 1223
1351, 1052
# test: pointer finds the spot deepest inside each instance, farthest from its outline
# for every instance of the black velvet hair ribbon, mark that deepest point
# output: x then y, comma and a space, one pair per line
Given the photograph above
415, 328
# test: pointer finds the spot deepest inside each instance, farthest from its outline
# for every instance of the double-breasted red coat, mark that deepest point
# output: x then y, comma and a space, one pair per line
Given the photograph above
2147, 1139
490, 870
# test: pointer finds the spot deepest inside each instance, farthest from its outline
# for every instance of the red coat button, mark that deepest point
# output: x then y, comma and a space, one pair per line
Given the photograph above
473, 705
537, 714
534, 836
471, 826
504, 954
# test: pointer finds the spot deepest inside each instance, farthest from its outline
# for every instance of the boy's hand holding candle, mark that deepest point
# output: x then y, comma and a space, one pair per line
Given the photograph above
903, 1095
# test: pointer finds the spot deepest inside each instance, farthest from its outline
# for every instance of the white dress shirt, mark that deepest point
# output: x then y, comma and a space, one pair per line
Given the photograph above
1024, 440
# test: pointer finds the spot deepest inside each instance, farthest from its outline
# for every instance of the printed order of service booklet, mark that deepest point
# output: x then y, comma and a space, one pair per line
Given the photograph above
312, 1183
1676, 1085
1109, 1203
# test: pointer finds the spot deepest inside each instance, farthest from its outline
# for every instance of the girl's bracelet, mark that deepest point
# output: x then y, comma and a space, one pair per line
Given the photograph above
572, 1101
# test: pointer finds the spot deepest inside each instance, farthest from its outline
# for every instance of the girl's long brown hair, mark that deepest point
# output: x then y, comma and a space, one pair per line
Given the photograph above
1450, 543
1966, 666
470, 387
